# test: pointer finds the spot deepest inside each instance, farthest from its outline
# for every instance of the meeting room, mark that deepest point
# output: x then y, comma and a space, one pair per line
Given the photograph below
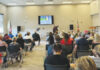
49, 34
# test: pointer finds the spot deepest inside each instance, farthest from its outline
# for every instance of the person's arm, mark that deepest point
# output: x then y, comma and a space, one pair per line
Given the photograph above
75, 48
95, 54
72, 66
68, 63
5, 44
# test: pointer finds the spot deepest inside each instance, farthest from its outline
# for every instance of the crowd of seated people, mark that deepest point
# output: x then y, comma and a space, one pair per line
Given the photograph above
15, 46
58, 47
77, 45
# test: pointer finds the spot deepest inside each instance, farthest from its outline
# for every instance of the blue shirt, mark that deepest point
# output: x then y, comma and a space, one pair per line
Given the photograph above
11, 36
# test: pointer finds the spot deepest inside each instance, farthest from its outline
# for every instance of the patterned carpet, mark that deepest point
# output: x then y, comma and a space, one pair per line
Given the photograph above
32, 61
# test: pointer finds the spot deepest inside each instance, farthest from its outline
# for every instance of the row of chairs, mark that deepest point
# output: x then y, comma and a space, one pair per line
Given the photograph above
8, 54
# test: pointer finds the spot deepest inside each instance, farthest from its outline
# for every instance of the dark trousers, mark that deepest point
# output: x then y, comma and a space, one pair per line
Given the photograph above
32, 46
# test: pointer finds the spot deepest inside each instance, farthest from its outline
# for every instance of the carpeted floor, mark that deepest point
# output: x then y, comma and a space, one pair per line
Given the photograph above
32, 61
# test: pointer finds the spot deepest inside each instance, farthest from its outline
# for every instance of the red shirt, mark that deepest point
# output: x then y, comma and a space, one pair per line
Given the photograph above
68, 42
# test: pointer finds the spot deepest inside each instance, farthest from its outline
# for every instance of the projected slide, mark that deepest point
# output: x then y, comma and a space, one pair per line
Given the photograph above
46, 20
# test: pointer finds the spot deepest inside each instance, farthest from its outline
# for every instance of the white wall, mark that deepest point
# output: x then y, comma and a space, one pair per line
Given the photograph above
94, 8
64, 15
95, 14
3, 10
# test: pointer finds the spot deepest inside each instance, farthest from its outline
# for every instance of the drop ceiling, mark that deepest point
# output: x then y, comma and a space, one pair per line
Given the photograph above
42, 2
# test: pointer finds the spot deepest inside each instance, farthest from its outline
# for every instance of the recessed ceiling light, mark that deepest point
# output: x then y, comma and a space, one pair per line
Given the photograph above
67, 2
85, 1
12, 4
48, 2
30, 3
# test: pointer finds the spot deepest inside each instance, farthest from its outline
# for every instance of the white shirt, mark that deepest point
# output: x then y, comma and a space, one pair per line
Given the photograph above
28, 37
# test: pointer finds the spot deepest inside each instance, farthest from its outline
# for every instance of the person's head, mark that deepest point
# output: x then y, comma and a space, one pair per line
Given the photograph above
66, 36
1, 37
19, 35
85, 63
6, 35
14, 39
28, 33
50, 34
63, 34
83, 35
57, 38
57, 49
10, 32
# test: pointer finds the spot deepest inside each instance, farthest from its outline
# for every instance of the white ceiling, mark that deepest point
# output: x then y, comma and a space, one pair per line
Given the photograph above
41, 2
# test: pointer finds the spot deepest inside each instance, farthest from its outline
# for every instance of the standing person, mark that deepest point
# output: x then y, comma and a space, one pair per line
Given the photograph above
55, 29
36, 37
20, 40
51, 38
50, 43
11, 35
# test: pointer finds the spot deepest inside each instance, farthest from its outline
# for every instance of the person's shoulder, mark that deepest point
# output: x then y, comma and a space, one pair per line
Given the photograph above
3, 42
49, 57
63, 57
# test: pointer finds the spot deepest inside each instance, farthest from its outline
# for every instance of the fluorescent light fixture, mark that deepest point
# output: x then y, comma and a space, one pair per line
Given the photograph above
85, 1
48, 2
67, 2
12, 4
30, 3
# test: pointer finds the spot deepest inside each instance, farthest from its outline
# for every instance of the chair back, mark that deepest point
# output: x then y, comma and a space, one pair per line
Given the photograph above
2, 48
83, 53
56, 67
90, 42
13, 48
67, 49
28, 41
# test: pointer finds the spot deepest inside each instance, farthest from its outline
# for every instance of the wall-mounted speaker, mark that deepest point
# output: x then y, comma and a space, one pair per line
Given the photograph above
71, 27
18, 28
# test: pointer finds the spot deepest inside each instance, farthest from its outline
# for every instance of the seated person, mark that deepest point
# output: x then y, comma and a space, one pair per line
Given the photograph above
28, 41
36, 37
20, 40
11, 35
96, 40
84, 63
14, 46
96, 51
8, 40
82, 43
15, 50
57, 58
67, 40
2, 43
2, 48
67, 43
